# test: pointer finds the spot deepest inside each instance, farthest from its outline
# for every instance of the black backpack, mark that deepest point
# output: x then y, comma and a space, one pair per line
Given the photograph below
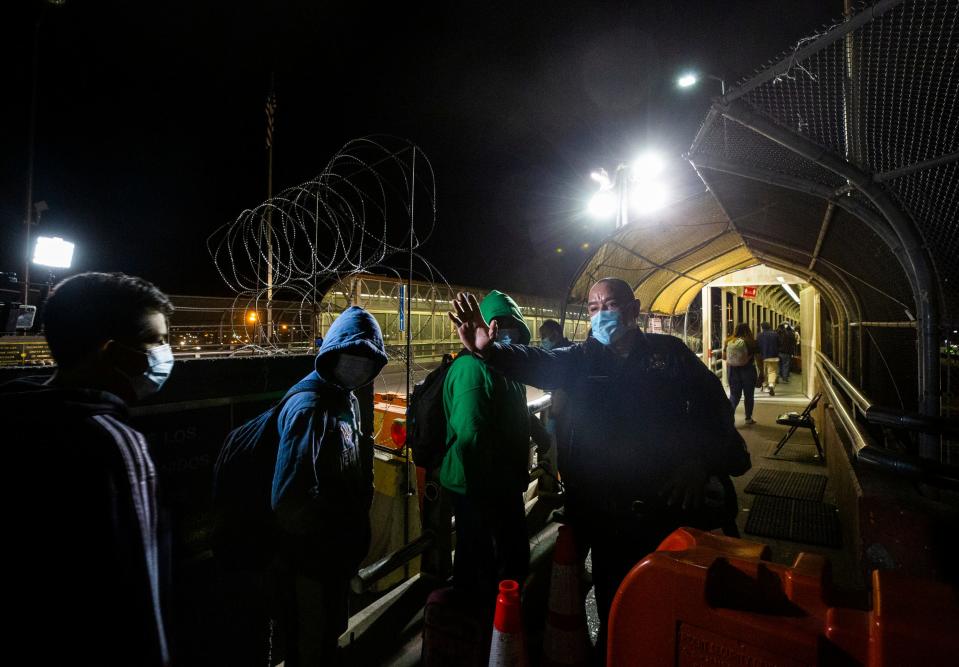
426, 419
244, 530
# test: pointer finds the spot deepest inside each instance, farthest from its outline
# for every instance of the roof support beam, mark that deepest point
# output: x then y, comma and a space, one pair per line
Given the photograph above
925, 164
905, 243
648, 260
826, 219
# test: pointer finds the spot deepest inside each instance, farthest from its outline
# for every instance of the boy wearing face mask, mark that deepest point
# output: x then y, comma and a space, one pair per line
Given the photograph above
486, 465
87, 564
645, 425
323, 488
551, 336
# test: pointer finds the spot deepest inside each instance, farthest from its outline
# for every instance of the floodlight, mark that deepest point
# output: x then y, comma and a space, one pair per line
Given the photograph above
647, 165
602, 205
53, 252
601, 177
687, 80
251, 317
647, 196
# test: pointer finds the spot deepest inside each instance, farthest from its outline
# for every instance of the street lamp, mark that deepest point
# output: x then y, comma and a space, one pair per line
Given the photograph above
635, 186
690, 79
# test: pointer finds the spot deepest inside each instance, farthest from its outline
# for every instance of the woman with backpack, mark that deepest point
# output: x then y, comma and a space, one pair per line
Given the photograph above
743, 368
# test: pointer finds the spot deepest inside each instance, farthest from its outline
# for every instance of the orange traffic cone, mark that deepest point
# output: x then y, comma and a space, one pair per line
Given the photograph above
508, 648
566, 639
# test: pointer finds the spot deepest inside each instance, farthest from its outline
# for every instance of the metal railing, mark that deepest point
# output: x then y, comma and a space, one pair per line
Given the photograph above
928, 471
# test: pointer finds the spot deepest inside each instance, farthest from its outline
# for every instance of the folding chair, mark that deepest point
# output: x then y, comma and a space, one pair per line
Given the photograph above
802, 420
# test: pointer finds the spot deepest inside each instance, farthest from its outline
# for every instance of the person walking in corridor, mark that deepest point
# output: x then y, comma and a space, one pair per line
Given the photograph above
787, 348
743, 368
768, 342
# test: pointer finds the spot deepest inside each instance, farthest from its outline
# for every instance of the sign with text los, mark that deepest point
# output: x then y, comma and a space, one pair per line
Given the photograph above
749, 292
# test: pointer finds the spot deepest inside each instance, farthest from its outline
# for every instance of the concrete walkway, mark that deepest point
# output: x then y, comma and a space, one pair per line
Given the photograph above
798, 455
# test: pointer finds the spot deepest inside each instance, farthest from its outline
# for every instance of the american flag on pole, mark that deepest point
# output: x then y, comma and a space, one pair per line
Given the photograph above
270, 111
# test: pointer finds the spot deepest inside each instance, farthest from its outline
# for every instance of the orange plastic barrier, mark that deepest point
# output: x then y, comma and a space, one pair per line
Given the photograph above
684, 539
705, 601
388, 409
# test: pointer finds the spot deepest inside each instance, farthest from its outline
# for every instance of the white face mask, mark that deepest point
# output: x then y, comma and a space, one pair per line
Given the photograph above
353, 370
147, 383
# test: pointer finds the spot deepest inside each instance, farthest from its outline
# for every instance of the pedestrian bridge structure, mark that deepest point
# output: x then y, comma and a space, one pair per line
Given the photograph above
834, 171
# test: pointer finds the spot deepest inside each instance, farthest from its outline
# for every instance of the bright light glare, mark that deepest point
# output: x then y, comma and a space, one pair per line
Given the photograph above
602, 178
602, 205
647, 196
687, 80
53, 252
647, 165
251, 317
790, 292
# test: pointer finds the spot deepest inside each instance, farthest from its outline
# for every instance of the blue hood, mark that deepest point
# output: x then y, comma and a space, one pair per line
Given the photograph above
354, 330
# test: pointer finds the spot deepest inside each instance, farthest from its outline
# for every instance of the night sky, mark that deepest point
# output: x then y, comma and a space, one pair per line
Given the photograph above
150, 126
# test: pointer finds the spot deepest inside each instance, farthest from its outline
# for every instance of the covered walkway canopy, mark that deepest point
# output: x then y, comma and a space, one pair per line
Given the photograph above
838, 163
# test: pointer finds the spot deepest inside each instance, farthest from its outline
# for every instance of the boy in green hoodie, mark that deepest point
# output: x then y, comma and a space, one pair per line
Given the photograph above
486, 465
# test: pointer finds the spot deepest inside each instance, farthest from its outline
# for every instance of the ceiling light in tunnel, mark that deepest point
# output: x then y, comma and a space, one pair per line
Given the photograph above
790, 291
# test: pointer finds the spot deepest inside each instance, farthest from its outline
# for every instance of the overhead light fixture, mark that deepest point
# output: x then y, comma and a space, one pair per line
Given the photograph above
601, 177
790, 291
602, 205
647, 197
687, 80
53, 252
647, 165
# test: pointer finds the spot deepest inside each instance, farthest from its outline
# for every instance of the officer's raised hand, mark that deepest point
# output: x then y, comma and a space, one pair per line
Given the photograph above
473, 331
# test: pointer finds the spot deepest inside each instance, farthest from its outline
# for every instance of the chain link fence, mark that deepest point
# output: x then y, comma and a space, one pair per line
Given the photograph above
877, 92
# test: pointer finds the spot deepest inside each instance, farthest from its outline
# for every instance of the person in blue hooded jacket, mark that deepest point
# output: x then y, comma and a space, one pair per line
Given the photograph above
646, 427
323, 489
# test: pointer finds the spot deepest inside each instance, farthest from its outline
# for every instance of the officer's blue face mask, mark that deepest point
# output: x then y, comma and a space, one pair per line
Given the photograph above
607, 326
160, 362
547, 344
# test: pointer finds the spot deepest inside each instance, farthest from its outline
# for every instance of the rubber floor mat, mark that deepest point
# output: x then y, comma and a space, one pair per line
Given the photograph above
805, 521
786, 484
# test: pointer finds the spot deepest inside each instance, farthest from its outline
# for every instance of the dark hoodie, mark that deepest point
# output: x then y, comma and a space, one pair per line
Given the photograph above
84, 576
323, 486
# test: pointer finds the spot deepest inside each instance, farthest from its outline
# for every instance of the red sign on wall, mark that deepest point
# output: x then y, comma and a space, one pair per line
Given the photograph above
749, 292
